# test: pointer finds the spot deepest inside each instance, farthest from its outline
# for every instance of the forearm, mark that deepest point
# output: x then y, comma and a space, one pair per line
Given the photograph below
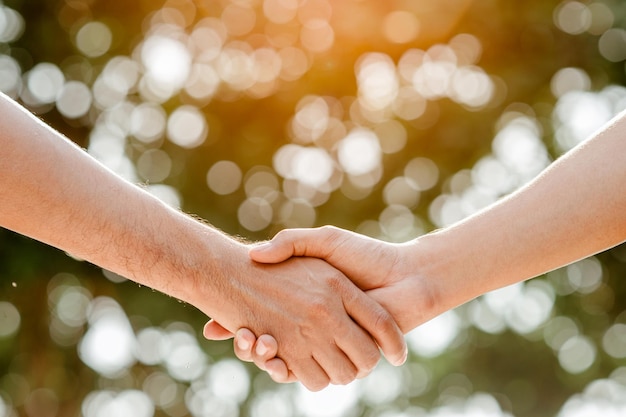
54, 192
576, 208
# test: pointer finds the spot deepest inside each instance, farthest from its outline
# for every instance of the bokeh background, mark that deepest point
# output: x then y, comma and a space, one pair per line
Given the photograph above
391, 118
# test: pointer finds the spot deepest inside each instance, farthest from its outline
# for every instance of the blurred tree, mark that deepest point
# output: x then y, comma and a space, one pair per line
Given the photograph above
250, 68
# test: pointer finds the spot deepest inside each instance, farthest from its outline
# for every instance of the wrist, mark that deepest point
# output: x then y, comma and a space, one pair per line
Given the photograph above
442, 275
178, 255
204, 267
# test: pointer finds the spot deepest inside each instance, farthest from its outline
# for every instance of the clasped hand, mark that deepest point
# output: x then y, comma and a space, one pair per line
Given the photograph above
374, 266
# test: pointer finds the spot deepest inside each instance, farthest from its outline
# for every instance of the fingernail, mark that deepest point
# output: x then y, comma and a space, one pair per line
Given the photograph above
261, 349
243, 344
403, 358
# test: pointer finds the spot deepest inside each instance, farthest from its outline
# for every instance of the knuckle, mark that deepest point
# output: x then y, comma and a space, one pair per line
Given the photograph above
242, 355
329, 236
384, 322
345, 377
316, 386
328, 230
370, 360
335, 283
280, 235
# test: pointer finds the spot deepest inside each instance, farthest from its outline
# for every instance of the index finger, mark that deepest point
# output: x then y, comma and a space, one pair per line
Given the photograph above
378, 322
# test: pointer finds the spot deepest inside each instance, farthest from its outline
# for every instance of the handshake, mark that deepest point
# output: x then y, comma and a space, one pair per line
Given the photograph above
311, 305
339, 312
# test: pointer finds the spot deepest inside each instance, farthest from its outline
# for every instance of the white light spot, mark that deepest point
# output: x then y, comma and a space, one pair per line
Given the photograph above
9, 319
572, 17
224, 177
75, 100
166, 60
577, 354
312, 166
612, 45
333, 401
185, 360
187, 127
10, 75
11, 25
94, 39
558, 331
147, 122
359, 152
432, 338
569, 79
154, 165
255, 214
152, 346
45, 82
471, 86
585, 276
581, 114
401, 191
383, 385
130, 403
614, 341
108, 345
378, 82
228, 379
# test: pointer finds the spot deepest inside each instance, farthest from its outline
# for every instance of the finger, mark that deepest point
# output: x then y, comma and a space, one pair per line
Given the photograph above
310, 373
338, 366
293, 242
243, 345
266, 348
214, 331
377, 321
271, 252
278, 371
360, 349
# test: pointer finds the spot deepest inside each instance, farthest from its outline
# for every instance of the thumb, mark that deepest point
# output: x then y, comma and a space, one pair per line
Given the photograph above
214, 331
271, 252
288, 243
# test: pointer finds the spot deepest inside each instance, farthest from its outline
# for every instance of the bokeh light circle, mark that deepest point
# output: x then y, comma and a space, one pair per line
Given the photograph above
10, 75
10, 319
12, 25
401, 26
255, 214
187, 127
224, 177
577, 354
45, 82
359, 152
74, 100
94, 39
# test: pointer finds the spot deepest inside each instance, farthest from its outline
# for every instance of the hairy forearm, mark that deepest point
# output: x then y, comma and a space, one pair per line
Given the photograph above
573, 210
54, 192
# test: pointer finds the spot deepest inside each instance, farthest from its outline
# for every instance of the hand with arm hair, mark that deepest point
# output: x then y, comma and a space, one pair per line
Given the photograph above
54, 192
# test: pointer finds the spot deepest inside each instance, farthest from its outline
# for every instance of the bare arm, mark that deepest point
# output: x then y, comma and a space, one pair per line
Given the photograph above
574, 209
54, 192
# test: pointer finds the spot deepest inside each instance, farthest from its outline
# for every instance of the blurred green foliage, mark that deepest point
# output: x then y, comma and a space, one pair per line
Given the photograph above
522, 47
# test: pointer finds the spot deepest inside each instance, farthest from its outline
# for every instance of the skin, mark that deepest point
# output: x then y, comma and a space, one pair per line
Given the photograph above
54, 192
574, 209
